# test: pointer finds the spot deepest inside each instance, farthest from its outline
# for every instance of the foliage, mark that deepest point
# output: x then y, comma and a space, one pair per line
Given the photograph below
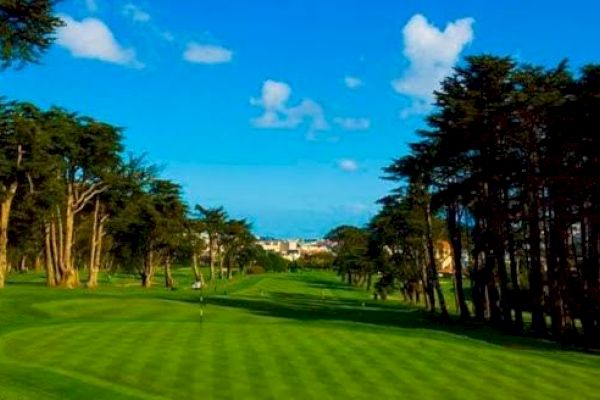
351, 249
323, 261
509, 157
26, 30
271, 261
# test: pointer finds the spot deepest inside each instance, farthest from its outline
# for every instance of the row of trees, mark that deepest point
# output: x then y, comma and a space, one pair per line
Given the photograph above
508, 172
68, 199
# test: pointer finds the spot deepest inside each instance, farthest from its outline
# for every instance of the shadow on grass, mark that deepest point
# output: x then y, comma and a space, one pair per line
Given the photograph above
329, 285
320, 283
302, 307
23, 283
294, 306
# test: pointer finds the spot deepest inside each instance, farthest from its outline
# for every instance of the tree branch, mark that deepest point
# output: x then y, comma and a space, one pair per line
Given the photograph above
88, 195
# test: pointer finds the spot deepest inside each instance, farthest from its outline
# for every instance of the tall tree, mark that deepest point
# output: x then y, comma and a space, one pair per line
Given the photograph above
416, 169
238, 245
213, 220
351, 249
19, 142
26, 30
89, 152
194, 230
514, 150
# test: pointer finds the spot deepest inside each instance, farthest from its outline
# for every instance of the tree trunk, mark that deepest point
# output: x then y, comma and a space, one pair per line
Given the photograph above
69, 279
536, 289
48, 258
515, 297
92, 280
197, 272
557, 269
168, 276
96, 251
147, 272
94, 272
590, 232
491, 290
221, 264
428, 294
456, 240
211, 256
37, 263
5, 207
477, 278
503, 276
56, 258
228, 267
23, 263
433, 273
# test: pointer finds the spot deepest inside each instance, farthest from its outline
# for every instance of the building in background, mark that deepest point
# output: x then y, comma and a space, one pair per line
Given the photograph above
294, 249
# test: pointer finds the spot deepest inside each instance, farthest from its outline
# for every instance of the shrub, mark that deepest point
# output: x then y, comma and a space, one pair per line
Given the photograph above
255, 270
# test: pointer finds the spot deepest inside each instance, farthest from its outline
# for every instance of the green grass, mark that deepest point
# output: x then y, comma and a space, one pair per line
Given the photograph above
303, 336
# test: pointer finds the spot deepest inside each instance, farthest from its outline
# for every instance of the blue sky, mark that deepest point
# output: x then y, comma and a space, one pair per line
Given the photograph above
284, 111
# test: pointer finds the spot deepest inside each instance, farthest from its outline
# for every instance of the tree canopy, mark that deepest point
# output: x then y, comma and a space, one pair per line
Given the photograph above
26, 30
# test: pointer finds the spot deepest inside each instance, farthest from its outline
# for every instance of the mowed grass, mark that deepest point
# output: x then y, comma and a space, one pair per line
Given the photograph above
273, 336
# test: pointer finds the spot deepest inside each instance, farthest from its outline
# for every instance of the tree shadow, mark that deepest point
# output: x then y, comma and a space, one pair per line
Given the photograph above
320, 283
302, 307
324, 284
14, 282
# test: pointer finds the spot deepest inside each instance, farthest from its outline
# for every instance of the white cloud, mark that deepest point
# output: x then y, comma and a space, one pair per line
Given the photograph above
352, 82
135, 13
348, 165
274, 95
91, 38
353, 124
432, 54
277, 114
91, 5
207, 54
139, 15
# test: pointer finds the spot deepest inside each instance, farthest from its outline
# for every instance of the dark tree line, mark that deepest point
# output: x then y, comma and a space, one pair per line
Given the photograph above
509, 165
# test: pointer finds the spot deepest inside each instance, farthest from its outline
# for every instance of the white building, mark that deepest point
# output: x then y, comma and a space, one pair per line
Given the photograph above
293, 249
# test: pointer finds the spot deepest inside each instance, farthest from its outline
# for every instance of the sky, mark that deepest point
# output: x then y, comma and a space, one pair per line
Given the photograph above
284, 112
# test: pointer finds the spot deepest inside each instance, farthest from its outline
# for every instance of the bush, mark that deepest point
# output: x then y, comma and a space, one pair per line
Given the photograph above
255, 270
271, 262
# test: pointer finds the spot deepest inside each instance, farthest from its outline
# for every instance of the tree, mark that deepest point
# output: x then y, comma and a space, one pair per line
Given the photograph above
417, 170
150, 228
510, 157
238, 245
269, 260
397, 248
351, 245
19, 151
88, 151
194, 231
125, 181
213, 221
169, 227
26, 30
